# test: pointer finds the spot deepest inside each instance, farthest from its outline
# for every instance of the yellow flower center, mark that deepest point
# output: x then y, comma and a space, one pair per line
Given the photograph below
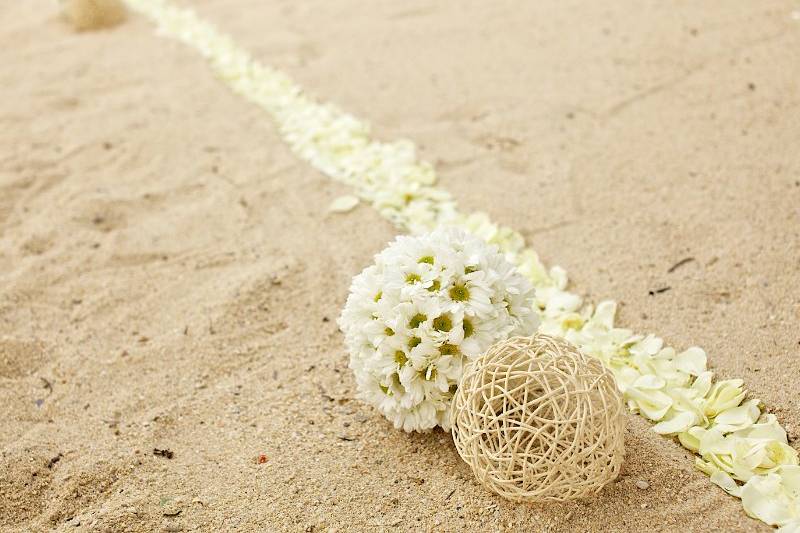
574, 321
442, 323
412, 278
416, 320
469, 329
459, 293
448, 349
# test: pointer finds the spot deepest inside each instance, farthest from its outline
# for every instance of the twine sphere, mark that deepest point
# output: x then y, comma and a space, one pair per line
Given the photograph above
537, 420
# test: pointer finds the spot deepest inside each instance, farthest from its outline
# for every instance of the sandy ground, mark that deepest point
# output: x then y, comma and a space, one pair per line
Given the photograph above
169, 277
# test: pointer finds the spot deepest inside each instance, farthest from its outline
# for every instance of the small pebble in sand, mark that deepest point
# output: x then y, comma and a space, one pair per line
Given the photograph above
642, 484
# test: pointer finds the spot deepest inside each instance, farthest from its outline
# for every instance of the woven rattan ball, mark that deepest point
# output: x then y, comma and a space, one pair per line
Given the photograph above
539, 421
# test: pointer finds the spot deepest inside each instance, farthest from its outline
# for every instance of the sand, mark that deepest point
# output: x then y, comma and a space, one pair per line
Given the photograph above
170, 278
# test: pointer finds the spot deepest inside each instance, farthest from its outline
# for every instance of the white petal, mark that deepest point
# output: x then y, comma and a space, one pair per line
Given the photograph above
702, 384
692, 361
604, 313
562, 302
653, 404
763, 497
650, 345
559, 277
738, 418
790, 475
677, 424
790, 527
649, 382
343, 204
727, 483
689, 441
766, 428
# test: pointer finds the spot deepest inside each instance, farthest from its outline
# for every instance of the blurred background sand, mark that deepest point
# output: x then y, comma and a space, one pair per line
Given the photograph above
170, 279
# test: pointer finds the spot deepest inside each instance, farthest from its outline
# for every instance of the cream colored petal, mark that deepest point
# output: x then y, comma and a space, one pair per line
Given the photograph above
713, 442
563, 301
677, 424
748, 456
626, 377
765, 498
650, 345
781, 454
724, 395
766, 428
692, 361
559, 277
790, 477
790, 527
649, 382
667, 353
727, 483
738, 418
666, 369
702, 384
604, 313
689, 441
653, 404
343, 204
707, 468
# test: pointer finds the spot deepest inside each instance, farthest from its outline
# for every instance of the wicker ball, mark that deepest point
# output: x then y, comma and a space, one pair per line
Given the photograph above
539, 421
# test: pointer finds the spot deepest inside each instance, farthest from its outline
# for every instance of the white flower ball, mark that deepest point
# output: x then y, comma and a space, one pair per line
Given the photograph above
427, 306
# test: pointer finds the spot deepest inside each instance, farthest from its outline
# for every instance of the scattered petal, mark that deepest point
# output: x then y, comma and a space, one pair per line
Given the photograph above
772, 498
727, 483
343, 204
677, 424
691, 361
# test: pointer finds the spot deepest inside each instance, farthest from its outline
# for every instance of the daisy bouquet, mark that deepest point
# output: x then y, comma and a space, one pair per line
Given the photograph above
426, 306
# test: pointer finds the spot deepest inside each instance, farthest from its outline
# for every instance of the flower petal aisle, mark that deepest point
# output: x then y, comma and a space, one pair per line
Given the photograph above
736, 442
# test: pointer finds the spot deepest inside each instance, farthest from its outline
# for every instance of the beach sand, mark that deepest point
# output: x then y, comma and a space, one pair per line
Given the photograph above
170, 278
